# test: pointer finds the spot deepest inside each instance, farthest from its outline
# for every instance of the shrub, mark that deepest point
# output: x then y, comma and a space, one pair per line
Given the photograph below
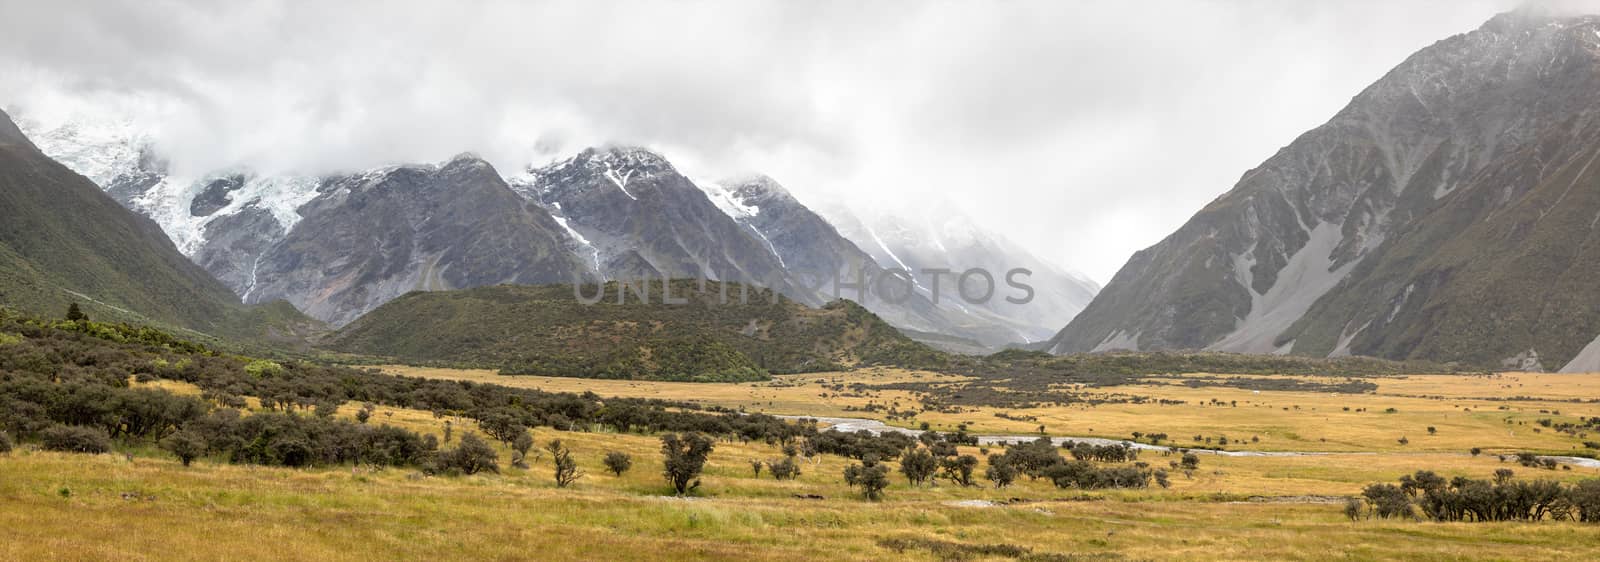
1387, 500
472, 456
75, 439
1000, 471
503, 425
618, 462
5, 443
519, 449
918, 466
959, 469
566, 467
785, 469
685, 456
185, 444
1352, 509
870, 475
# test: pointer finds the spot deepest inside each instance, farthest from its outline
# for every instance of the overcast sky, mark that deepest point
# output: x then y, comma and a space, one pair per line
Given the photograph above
1082, 130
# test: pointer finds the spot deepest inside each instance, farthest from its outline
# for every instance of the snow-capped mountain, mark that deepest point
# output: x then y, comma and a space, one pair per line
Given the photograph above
814, 251
942, 237
635, 216
339, 245
1448, 212
335, 246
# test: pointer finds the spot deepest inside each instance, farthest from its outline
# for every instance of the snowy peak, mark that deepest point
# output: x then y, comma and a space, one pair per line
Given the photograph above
621, 167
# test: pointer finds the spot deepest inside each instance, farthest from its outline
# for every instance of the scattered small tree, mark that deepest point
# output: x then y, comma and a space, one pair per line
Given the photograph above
618, 462
472, 456
566, 467
519, 449
185, 444
502, 425
785, 469
1503, 475
1352, 509
918, 466
959, 469
1000, 471
5, 443
75, 314
1475, 451
870, 475
365, 413
1388, 501
1190, 461
756, 466
685, 456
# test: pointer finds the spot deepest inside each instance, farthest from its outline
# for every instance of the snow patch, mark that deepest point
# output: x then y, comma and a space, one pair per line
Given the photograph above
1118, 341
772, 248
1587, 360
727, 201
100, 150
621, 181
1307, 276
594, 252
167, 203
1342, 349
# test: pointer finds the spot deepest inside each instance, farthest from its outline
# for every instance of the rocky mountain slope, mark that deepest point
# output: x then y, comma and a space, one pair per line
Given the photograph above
1447, 213
63, 240
370, 238
638, 217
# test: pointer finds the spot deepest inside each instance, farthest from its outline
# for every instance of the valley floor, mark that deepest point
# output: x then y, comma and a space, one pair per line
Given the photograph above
149, 507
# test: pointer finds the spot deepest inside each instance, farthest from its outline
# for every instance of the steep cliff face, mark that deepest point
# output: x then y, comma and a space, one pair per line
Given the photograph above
1445, 213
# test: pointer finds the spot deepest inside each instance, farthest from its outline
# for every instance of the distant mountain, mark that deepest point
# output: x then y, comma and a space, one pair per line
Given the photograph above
1447, 213
718, 333
63, 240
809, 247
943, 237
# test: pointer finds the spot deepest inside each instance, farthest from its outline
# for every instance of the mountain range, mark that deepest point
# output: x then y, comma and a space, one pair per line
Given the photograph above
338, 246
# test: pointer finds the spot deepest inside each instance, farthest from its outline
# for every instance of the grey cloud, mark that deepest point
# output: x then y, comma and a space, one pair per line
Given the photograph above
1085, 130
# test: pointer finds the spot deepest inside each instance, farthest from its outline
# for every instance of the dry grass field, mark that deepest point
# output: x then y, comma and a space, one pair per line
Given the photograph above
149, 507
1462, 409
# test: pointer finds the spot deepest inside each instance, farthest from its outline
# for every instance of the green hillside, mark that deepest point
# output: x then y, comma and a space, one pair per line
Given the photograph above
546, 330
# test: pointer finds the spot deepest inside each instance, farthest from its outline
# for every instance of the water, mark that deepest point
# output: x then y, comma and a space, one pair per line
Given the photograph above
851, 425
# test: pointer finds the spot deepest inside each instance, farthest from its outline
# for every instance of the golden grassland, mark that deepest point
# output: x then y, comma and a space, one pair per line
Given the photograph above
149, 507
1458, 407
